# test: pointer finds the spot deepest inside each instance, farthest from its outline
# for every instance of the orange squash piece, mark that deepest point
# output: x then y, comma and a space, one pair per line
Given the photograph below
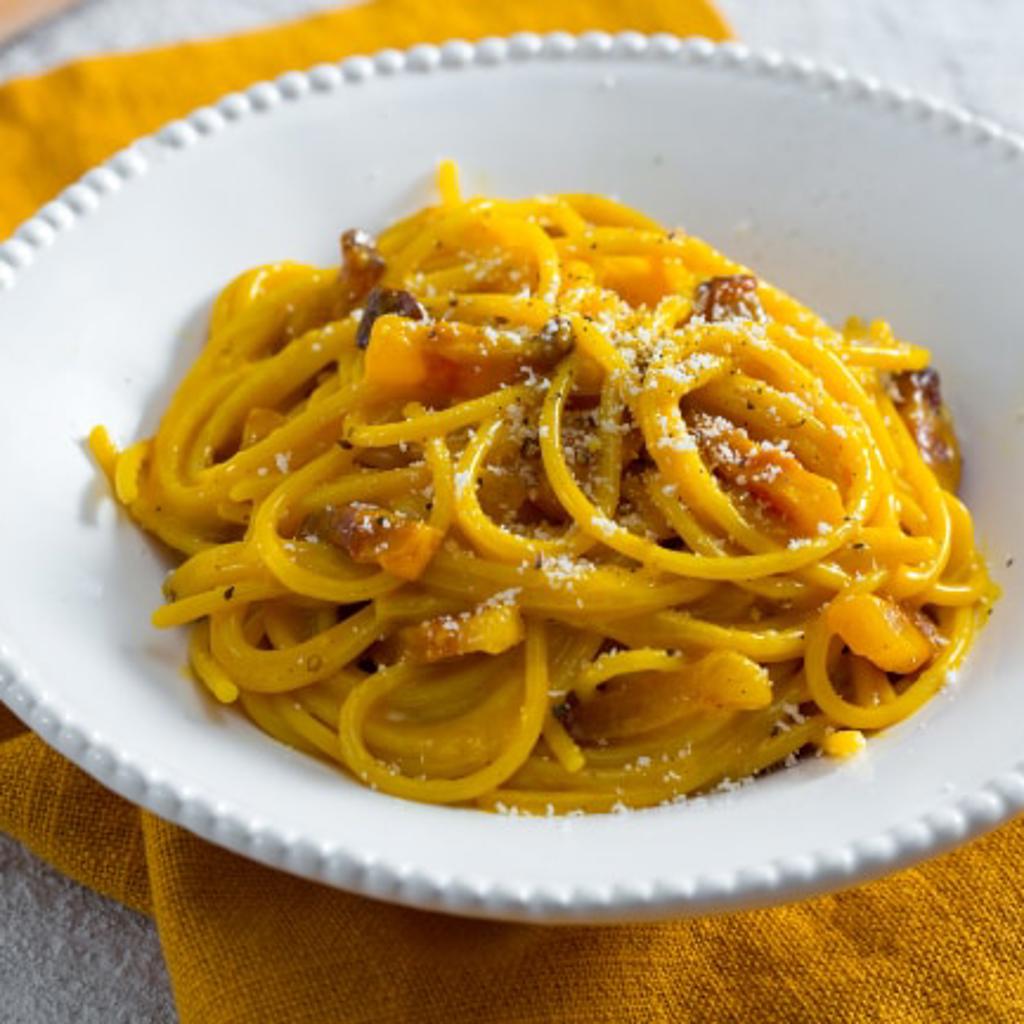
438, 360
630, 705
774, 476
639, 280
369, 533
803, 498
490, 629
395, 362
727, 679
844, 743
260, 423
880, 630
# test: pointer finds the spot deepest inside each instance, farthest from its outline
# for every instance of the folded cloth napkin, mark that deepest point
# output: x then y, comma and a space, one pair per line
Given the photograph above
247, 944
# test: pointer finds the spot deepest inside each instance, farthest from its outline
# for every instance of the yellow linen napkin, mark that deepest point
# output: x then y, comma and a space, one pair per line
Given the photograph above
55, 127
247, 944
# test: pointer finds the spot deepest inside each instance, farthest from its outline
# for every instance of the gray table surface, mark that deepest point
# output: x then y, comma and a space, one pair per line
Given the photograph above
68, 955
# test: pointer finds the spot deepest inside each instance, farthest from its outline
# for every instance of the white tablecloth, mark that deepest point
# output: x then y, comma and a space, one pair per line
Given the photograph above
67, 955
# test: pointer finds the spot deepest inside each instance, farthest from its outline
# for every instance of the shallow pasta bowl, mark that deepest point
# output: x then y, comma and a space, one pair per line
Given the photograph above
856, 198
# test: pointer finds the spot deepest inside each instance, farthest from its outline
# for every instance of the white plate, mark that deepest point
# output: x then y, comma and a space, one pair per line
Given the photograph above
856, 198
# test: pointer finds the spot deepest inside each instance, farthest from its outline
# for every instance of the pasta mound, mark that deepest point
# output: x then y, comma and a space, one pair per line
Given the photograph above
536, 506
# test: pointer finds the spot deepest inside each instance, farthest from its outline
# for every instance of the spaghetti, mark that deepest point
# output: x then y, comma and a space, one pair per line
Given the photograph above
535, 505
